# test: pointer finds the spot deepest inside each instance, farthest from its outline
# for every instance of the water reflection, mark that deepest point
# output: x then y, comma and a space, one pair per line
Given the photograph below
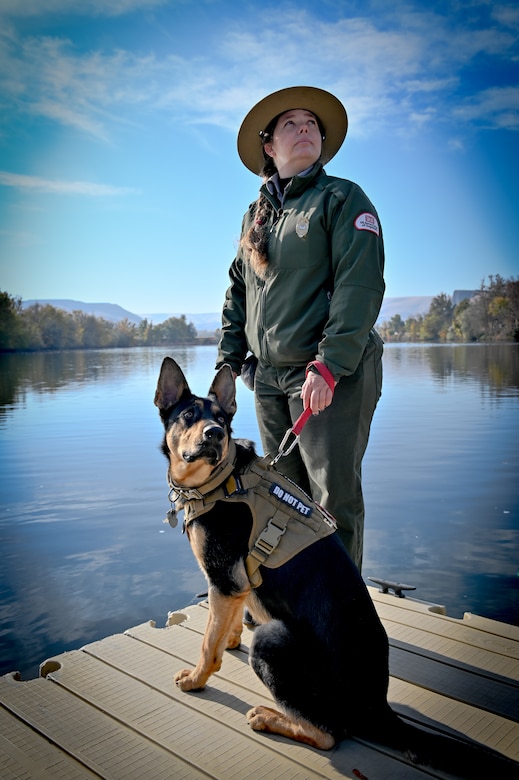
48, 372
441, 477
84, 549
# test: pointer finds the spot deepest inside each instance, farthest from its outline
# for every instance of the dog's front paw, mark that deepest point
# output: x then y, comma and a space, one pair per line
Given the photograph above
186, 682
261, 718
234, 640
274, 722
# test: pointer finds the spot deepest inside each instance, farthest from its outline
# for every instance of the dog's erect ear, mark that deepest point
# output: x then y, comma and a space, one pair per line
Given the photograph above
171, 386
224, 388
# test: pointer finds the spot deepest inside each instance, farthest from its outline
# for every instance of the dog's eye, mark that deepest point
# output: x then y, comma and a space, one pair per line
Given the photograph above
221, 419
188, 414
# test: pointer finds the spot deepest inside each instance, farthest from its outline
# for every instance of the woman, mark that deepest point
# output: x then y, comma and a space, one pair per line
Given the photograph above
306, 289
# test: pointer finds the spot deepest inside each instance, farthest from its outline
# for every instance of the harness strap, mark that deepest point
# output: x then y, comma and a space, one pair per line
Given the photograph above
265, 544
277, 505
218, 477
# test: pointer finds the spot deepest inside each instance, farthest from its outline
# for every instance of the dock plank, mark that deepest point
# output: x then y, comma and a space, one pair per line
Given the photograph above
93, 738
456, 680
26, 754
463, 639
225, 701
111, 710
457, 714
474, 632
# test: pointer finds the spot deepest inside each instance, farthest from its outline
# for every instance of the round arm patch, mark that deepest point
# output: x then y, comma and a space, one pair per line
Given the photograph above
367, 221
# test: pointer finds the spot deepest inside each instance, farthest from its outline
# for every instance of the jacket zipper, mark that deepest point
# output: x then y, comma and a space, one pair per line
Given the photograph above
278, 213
277, 216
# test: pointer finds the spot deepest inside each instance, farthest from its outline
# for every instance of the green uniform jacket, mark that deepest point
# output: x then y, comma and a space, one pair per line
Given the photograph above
324, 287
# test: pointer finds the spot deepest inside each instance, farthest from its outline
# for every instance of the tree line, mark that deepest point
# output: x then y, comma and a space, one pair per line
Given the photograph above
492, 314
45, 327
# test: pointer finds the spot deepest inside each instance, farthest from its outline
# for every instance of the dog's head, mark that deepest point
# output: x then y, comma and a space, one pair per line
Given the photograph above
197, 430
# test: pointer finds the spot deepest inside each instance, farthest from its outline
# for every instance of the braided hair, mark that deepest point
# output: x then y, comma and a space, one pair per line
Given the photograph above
256, 239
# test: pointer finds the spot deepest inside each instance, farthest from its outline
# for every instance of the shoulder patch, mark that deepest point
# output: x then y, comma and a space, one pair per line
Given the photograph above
367, 221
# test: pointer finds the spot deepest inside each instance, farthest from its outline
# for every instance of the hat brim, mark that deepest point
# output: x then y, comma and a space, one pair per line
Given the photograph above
326, 106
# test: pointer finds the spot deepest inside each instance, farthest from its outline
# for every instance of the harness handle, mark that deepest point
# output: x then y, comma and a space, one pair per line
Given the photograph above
303, 418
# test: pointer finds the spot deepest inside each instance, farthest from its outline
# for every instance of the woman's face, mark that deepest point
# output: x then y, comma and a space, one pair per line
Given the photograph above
296, 142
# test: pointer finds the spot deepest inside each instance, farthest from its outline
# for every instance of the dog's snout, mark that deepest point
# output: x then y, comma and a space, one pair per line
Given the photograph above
214, 433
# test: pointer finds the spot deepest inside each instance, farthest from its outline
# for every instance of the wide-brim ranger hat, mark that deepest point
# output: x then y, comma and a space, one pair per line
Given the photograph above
326, 106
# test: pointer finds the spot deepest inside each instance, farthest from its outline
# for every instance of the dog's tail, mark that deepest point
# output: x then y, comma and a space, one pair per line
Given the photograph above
459, 757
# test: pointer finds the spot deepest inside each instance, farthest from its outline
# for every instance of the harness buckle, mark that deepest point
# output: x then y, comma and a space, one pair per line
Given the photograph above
186, 494
269, 538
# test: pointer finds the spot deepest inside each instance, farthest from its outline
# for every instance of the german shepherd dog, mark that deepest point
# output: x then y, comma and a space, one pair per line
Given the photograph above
319, 645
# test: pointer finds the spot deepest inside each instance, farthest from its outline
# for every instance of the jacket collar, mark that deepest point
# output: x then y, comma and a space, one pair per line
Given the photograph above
299, 183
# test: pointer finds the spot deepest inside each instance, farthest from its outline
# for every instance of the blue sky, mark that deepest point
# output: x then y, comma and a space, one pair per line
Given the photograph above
119, 176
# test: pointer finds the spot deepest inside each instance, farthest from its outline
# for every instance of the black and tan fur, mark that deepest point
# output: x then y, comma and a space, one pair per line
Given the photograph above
319, 647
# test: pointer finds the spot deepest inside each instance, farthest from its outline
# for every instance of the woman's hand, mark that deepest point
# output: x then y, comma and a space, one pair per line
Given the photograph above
316, 393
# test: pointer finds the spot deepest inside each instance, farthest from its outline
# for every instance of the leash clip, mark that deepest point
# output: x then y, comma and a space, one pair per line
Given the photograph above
282, 452
295, 430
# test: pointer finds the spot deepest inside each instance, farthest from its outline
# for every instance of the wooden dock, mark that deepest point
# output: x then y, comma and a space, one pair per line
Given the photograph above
110, 710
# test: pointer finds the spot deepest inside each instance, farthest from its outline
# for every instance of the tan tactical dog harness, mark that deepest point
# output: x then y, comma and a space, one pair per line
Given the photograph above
285, 520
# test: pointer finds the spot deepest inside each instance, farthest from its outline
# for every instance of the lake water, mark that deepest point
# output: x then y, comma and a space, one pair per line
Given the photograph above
85, 552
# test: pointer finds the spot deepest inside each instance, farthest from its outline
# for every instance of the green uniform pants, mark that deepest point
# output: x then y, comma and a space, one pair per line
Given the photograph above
327, 464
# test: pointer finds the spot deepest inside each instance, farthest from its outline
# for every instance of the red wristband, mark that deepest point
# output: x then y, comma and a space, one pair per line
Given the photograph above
324, 371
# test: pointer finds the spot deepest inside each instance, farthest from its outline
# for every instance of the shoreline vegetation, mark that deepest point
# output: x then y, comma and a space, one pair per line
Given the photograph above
491, 315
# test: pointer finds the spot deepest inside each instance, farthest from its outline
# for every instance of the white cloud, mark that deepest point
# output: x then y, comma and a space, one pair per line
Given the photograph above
456, 145
398, 70
37, 184
49, 77
18, 8
393, 70
496, 107
432, 84
67, 115
507, 15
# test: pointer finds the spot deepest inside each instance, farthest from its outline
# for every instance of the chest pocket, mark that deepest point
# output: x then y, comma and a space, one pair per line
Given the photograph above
298, 240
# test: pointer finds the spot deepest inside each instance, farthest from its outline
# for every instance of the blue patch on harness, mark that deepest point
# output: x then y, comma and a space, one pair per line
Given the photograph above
288, 498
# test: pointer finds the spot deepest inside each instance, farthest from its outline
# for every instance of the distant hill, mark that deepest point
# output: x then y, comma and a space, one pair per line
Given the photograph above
107, 311
406, 306
410, 307
459, 295
208, 322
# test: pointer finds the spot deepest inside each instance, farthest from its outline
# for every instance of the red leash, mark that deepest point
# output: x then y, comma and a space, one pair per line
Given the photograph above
303, 418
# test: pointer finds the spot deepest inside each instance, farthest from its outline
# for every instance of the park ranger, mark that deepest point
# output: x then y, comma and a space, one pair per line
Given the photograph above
305, 291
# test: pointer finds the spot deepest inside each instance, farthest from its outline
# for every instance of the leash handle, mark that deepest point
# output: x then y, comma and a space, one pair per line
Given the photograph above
303, 418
